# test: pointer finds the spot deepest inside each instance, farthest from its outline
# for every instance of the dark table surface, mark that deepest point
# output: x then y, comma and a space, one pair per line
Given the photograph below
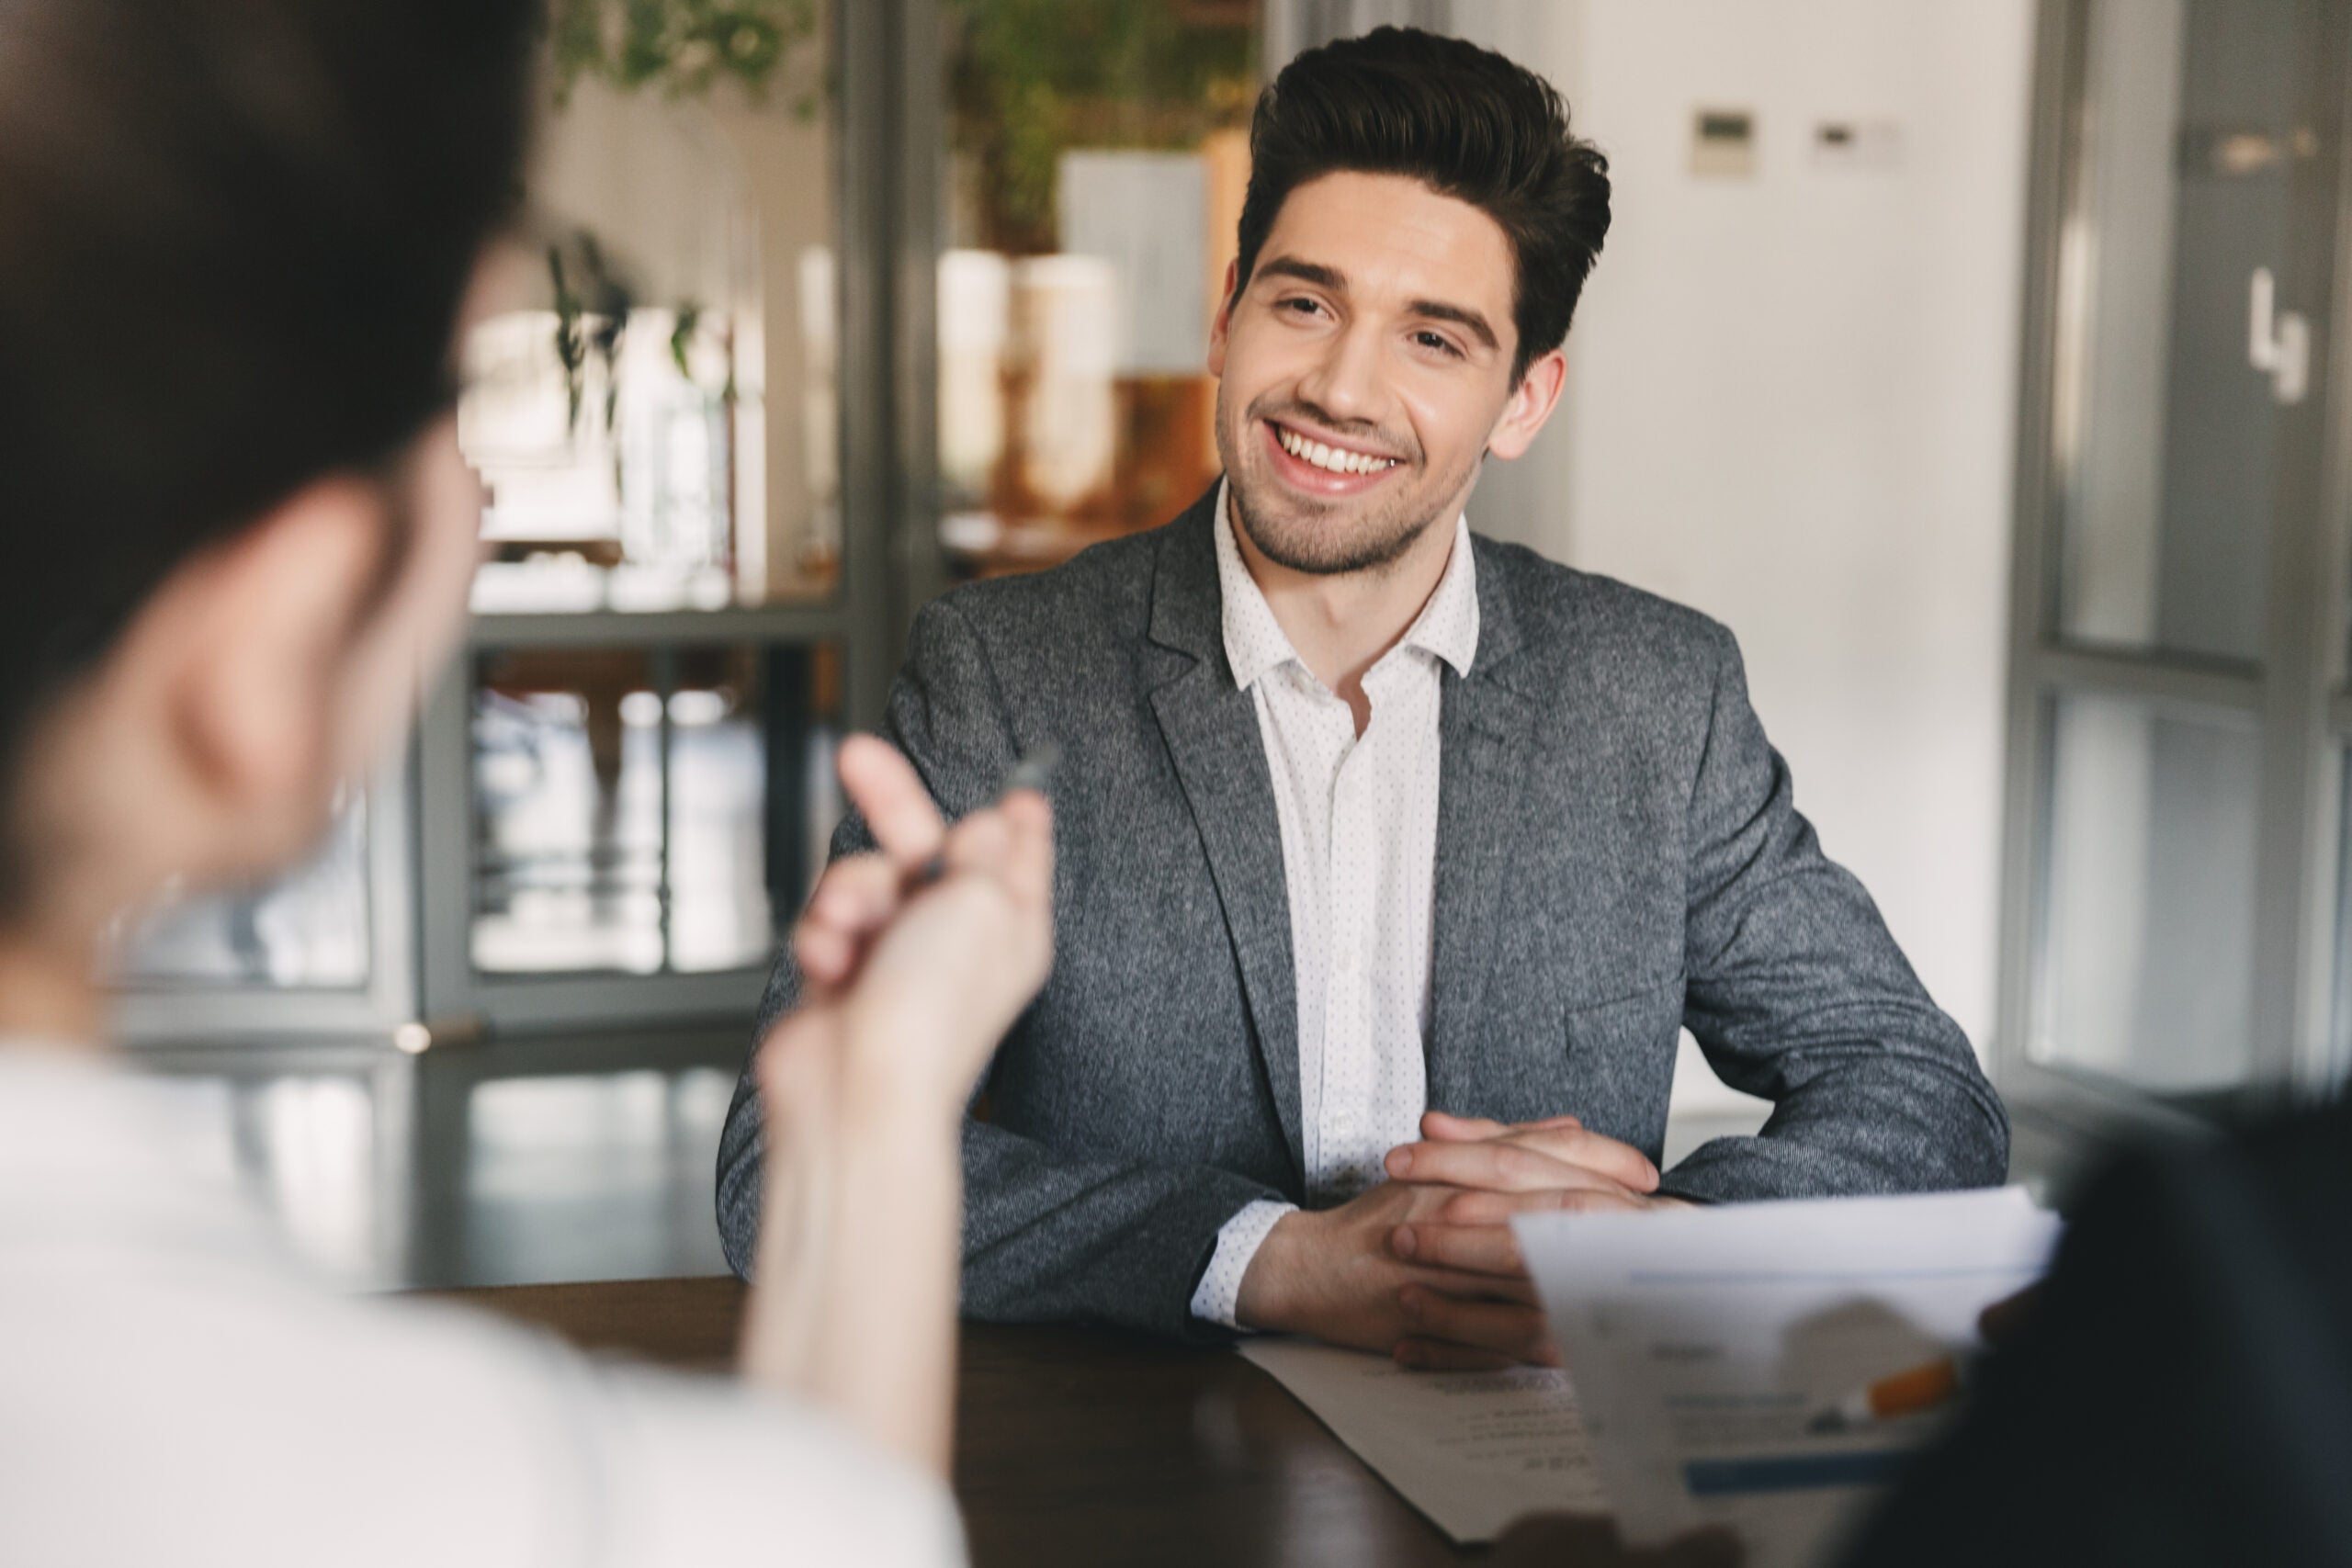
1076, 1445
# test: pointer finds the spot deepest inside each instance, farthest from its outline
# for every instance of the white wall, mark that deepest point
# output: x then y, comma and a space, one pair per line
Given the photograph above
1791, 404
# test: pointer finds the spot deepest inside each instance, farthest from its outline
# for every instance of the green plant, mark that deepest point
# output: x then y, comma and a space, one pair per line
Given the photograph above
591, 307
683, 47
1032, 78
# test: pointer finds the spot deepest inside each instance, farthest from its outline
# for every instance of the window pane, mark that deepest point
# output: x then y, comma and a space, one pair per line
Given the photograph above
307, 931
2148, 945
623, 804
2166, 431
653, 410
1098, 157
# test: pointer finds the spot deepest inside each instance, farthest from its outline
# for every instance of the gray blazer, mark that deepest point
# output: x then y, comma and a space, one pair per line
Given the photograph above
1618, 858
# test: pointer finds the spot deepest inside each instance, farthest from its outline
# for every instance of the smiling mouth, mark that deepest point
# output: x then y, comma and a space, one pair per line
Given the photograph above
1330, 458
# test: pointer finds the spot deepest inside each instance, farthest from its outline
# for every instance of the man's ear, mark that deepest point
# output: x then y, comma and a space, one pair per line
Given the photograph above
249, 642
1531, 402
1221, 328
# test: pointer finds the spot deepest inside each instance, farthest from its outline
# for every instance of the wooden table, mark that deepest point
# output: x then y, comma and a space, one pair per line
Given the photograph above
1077, 1446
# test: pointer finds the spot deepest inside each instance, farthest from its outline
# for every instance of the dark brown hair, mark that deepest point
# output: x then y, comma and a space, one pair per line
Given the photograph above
1465, 121
233, 239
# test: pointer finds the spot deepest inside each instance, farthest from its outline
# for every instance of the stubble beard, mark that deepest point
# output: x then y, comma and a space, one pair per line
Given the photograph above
1298, 534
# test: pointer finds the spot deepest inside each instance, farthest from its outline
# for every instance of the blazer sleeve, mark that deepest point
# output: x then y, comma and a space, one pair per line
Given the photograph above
1049, 1235
1797, 992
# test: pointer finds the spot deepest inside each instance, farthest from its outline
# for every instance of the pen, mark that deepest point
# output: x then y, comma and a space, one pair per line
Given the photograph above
1034, 770
1907, 1393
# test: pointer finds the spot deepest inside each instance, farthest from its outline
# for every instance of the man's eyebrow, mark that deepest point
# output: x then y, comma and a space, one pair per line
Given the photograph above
1315, 272
1461, 316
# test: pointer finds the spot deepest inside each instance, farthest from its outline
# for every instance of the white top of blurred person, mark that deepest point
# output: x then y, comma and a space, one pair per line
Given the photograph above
176, 1389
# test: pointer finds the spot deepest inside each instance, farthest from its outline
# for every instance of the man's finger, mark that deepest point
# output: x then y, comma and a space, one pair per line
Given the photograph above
1501, 1326
1418, 1354
886, 792
1464, 1285
1496, 1208
1619, 1161
1476, 1249
1497, 1164
1441, 1126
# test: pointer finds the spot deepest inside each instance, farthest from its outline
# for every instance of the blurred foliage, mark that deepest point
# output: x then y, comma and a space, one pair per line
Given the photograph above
1031, 78
682, 46
591, 307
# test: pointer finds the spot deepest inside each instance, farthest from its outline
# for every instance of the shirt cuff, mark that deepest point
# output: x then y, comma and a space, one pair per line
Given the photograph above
1219, 1292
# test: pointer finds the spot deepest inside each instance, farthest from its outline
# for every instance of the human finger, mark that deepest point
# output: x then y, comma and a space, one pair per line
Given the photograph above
1503, 1326
1464, 1285
978, 844
1622, 1163
1420, 1355
1029, 858
889, 795
1445, 1127
1476, 1249
1495, 1165
1496, 1208
853, 900
1595, 1151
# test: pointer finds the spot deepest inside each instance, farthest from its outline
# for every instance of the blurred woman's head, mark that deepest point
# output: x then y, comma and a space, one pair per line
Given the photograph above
235, 238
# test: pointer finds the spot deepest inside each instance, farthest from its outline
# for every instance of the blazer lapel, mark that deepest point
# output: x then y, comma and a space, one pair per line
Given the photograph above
1211, 728
1485, 734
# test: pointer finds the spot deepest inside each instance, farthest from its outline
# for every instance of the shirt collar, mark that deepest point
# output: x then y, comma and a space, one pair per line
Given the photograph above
1446, 628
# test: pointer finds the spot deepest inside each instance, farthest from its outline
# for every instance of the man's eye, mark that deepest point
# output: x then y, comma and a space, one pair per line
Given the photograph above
1437, 341
1302, 307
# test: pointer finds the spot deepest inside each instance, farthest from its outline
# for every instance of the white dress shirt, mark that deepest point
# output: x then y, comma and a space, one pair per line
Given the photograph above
174, 1389
1359, 830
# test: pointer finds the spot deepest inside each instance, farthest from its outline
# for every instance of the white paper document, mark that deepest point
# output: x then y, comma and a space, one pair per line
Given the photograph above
1767, 1366
1472, 1451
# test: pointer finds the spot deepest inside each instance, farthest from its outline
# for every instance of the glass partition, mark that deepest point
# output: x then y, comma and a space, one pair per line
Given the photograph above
2148, 960
619, 811
2169, 431
1097, 159
2177, 709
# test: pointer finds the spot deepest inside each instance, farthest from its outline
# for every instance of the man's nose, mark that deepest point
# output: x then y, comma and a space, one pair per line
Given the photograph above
1344, 383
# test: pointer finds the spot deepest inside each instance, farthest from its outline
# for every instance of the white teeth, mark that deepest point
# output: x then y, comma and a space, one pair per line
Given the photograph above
1335, 459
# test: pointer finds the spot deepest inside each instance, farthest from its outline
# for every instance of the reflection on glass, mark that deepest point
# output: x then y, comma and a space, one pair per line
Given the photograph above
592, 1176
306, 930
2148, 947
620, 800
2165, 430
307, 1148
1098, 159
677, 265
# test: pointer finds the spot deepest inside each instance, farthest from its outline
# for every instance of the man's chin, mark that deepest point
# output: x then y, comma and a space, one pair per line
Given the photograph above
1323, 540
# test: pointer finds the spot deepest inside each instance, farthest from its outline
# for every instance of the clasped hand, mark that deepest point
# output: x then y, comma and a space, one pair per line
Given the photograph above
1423, 1266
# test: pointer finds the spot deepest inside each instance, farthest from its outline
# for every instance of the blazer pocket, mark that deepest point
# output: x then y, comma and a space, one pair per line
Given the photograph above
1645, 1019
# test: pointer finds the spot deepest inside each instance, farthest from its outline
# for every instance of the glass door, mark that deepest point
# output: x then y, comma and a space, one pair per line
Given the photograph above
2180, 583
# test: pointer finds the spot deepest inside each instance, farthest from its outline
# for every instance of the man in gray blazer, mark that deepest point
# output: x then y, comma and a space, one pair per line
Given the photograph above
1392, 861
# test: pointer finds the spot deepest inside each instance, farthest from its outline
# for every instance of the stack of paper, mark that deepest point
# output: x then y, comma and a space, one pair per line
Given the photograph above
1765, 1366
